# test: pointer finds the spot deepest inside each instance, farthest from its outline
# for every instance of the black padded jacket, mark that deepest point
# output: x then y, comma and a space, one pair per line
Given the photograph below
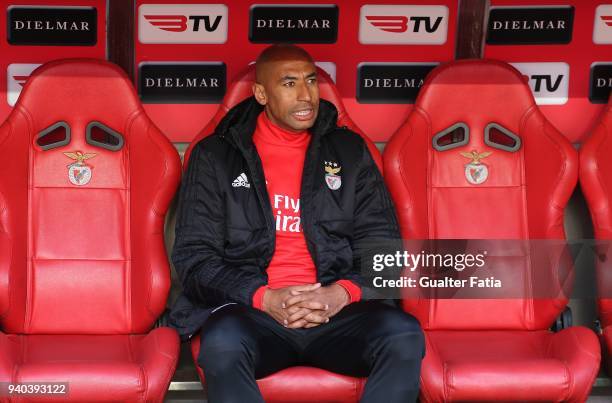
225, 230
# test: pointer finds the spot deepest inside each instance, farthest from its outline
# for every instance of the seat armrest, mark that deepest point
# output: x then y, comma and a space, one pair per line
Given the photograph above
5, 264
158, 349
578, 347
9, 356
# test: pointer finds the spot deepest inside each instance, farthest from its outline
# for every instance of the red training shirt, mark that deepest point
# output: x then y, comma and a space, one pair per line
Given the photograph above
282, 154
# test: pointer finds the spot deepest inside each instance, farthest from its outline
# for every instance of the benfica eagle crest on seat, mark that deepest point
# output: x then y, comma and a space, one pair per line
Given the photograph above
476, 172
79, 172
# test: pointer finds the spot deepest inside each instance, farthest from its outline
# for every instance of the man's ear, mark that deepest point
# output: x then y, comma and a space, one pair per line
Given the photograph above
260, 93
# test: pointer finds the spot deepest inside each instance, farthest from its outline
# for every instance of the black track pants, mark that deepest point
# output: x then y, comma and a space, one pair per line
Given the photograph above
240, 344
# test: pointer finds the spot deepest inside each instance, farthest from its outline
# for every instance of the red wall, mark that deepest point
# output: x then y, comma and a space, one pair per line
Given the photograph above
379, 121
181, 122
575, 118
10, 54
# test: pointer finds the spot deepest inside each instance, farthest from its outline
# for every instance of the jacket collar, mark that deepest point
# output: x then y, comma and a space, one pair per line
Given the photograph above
239, 123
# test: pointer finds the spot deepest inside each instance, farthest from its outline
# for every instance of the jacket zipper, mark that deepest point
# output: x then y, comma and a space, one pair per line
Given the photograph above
308, 174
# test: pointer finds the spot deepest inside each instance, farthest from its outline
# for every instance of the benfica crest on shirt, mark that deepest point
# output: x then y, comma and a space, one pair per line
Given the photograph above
333, 180
476, 172
79, 173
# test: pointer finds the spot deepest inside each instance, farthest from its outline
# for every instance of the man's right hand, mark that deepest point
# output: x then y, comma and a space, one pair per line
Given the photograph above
273, 304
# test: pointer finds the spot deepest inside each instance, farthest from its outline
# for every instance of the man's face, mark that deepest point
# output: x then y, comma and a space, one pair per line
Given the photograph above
290, 93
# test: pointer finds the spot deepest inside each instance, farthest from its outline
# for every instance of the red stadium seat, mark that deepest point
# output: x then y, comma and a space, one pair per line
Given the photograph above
596, 183
85, 182
241, 88
297, 384
500, 348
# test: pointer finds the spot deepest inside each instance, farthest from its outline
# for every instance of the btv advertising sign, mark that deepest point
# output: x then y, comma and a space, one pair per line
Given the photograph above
534, 25
549, 82
16, 77
602, 28
182, 23
296, 23
52, 26
407, 25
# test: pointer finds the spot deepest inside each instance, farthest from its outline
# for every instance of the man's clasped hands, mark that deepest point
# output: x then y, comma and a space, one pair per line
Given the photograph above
304, 306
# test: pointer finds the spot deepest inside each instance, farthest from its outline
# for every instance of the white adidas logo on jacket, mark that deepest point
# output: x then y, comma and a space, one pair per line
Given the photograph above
241, 180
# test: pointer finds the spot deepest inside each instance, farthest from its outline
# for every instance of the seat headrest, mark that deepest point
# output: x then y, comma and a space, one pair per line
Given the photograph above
476, 91
95, 88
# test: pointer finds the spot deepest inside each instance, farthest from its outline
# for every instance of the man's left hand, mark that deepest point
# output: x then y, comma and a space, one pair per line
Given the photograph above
331, 298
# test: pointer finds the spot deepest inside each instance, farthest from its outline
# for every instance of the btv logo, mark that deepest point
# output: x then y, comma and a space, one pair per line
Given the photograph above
393, 23
185, 23
547, 79
549, 82
178, 23
399, 24
21, 80
16, 77
602, 27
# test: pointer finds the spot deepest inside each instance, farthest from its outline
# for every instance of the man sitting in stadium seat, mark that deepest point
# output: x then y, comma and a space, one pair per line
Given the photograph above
274, 210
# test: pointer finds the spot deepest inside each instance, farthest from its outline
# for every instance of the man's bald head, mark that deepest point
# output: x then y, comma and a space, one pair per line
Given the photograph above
278, 53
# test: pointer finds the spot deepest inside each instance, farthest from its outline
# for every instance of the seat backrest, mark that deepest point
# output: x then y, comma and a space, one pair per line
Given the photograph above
596, 184
511, 184
85, 182
241, 88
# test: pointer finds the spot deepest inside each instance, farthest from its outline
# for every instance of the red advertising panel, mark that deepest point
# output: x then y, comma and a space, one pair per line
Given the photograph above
35, 32
565, 48
377, 51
